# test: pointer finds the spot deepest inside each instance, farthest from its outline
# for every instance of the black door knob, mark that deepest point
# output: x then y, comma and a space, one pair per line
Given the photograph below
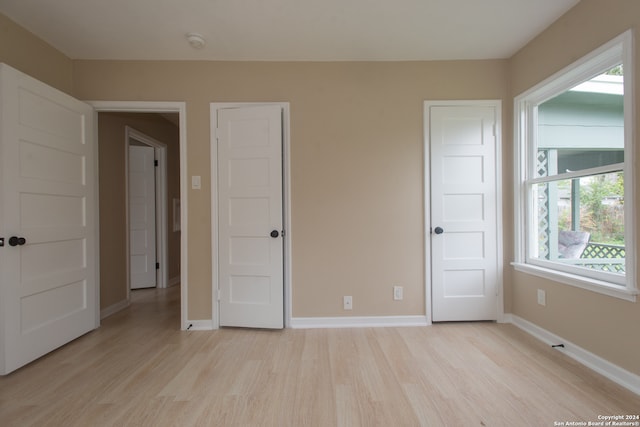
438, 230
275, 234
15, 241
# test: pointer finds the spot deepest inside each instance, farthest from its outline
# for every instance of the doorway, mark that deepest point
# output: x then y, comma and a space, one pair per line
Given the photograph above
463, 242
115, 288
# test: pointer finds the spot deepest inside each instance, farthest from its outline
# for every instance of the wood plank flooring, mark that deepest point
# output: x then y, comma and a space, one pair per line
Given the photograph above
138, 369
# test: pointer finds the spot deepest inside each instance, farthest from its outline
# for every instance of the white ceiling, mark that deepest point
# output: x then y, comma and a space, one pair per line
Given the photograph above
287, 30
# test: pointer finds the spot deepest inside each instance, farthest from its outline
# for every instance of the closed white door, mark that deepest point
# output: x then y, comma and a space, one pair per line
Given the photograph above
48, 281
250, 217
142, 216
464, 263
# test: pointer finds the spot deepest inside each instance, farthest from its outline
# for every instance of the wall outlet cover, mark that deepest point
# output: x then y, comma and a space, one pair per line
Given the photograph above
542, 297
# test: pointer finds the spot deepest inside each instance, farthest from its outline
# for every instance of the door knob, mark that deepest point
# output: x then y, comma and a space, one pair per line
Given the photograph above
15, 241
275, 234
438, 230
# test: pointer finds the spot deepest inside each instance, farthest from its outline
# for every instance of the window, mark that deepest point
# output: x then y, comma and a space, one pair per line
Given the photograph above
574, 208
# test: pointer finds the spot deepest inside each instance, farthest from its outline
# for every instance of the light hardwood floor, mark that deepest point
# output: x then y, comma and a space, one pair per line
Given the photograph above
138, 369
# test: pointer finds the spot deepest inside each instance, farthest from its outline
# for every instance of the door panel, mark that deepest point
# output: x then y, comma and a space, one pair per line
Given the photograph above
463, 204
48, 285
249, 209
142, 217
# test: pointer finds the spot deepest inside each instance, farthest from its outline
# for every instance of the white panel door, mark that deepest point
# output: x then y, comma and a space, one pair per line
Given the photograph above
142, 216
250, 217
48, 282
463, 213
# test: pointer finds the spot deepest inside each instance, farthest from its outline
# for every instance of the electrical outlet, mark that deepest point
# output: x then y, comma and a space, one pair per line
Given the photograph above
347, 302
542, 297
398, 293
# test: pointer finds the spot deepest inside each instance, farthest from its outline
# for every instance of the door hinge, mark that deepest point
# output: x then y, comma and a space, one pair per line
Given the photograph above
157, 266
218, 292
155, 163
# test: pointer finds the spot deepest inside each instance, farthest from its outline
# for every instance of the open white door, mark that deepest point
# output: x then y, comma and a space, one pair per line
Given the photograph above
48, 274
464, 255
142, 216
250, 243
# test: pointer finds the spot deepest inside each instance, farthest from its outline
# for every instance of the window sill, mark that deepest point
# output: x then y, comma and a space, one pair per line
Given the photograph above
593, 285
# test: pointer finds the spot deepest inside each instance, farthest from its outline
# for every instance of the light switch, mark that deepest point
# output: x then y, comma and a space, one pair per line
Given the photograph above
195, 182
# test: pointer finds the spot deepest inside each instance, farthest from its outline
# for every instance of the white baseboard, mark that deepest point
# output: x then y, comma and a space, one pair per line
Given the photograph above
357, 322
330, 322
199, 325
621, 376
114, 308
173, 281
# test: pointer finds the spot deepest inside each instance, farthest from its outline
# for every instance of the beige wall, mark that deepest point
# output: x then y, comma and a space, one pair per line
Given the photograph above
603, 325
29, 54
113, 243
356, 165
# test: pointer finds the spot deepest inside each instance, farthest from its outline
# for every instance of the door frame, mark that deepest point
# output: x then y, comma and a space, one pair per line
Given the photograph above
160, 176
164, 107
497, 104
286, 202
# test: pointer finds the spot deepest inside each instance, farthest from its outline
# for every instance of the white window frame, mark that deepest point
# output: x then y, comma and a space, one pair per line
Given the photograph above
618, 50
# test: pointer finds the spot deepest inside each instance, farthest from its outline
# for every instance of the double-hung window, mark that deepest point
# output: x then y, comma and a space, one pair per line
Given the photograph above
574, 210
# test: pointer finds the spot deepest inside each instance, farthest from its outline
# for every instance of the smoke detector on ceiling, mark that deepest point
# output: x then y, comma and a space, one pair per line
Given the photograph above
195, 40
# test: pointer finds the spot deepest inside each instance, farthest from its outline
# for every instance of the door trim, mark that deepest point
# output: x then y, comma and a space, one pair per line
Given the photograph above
497, 104
286, 200
160, 154
181, 109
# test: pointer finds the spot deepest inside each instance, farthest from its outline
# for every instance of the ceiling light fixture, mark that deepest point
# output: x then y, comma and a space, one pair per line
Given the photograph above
196, 40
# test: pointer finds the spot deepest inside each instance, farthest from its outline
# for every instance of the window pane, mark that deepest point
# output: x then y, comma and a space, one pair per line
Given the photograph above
583, 127
573, 131
581, 222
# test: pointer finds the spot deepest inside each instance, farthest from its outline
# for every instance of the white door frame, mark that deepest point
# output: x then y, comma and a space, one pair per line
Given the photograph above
160, 154
286, 198
181, 109
497, 104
